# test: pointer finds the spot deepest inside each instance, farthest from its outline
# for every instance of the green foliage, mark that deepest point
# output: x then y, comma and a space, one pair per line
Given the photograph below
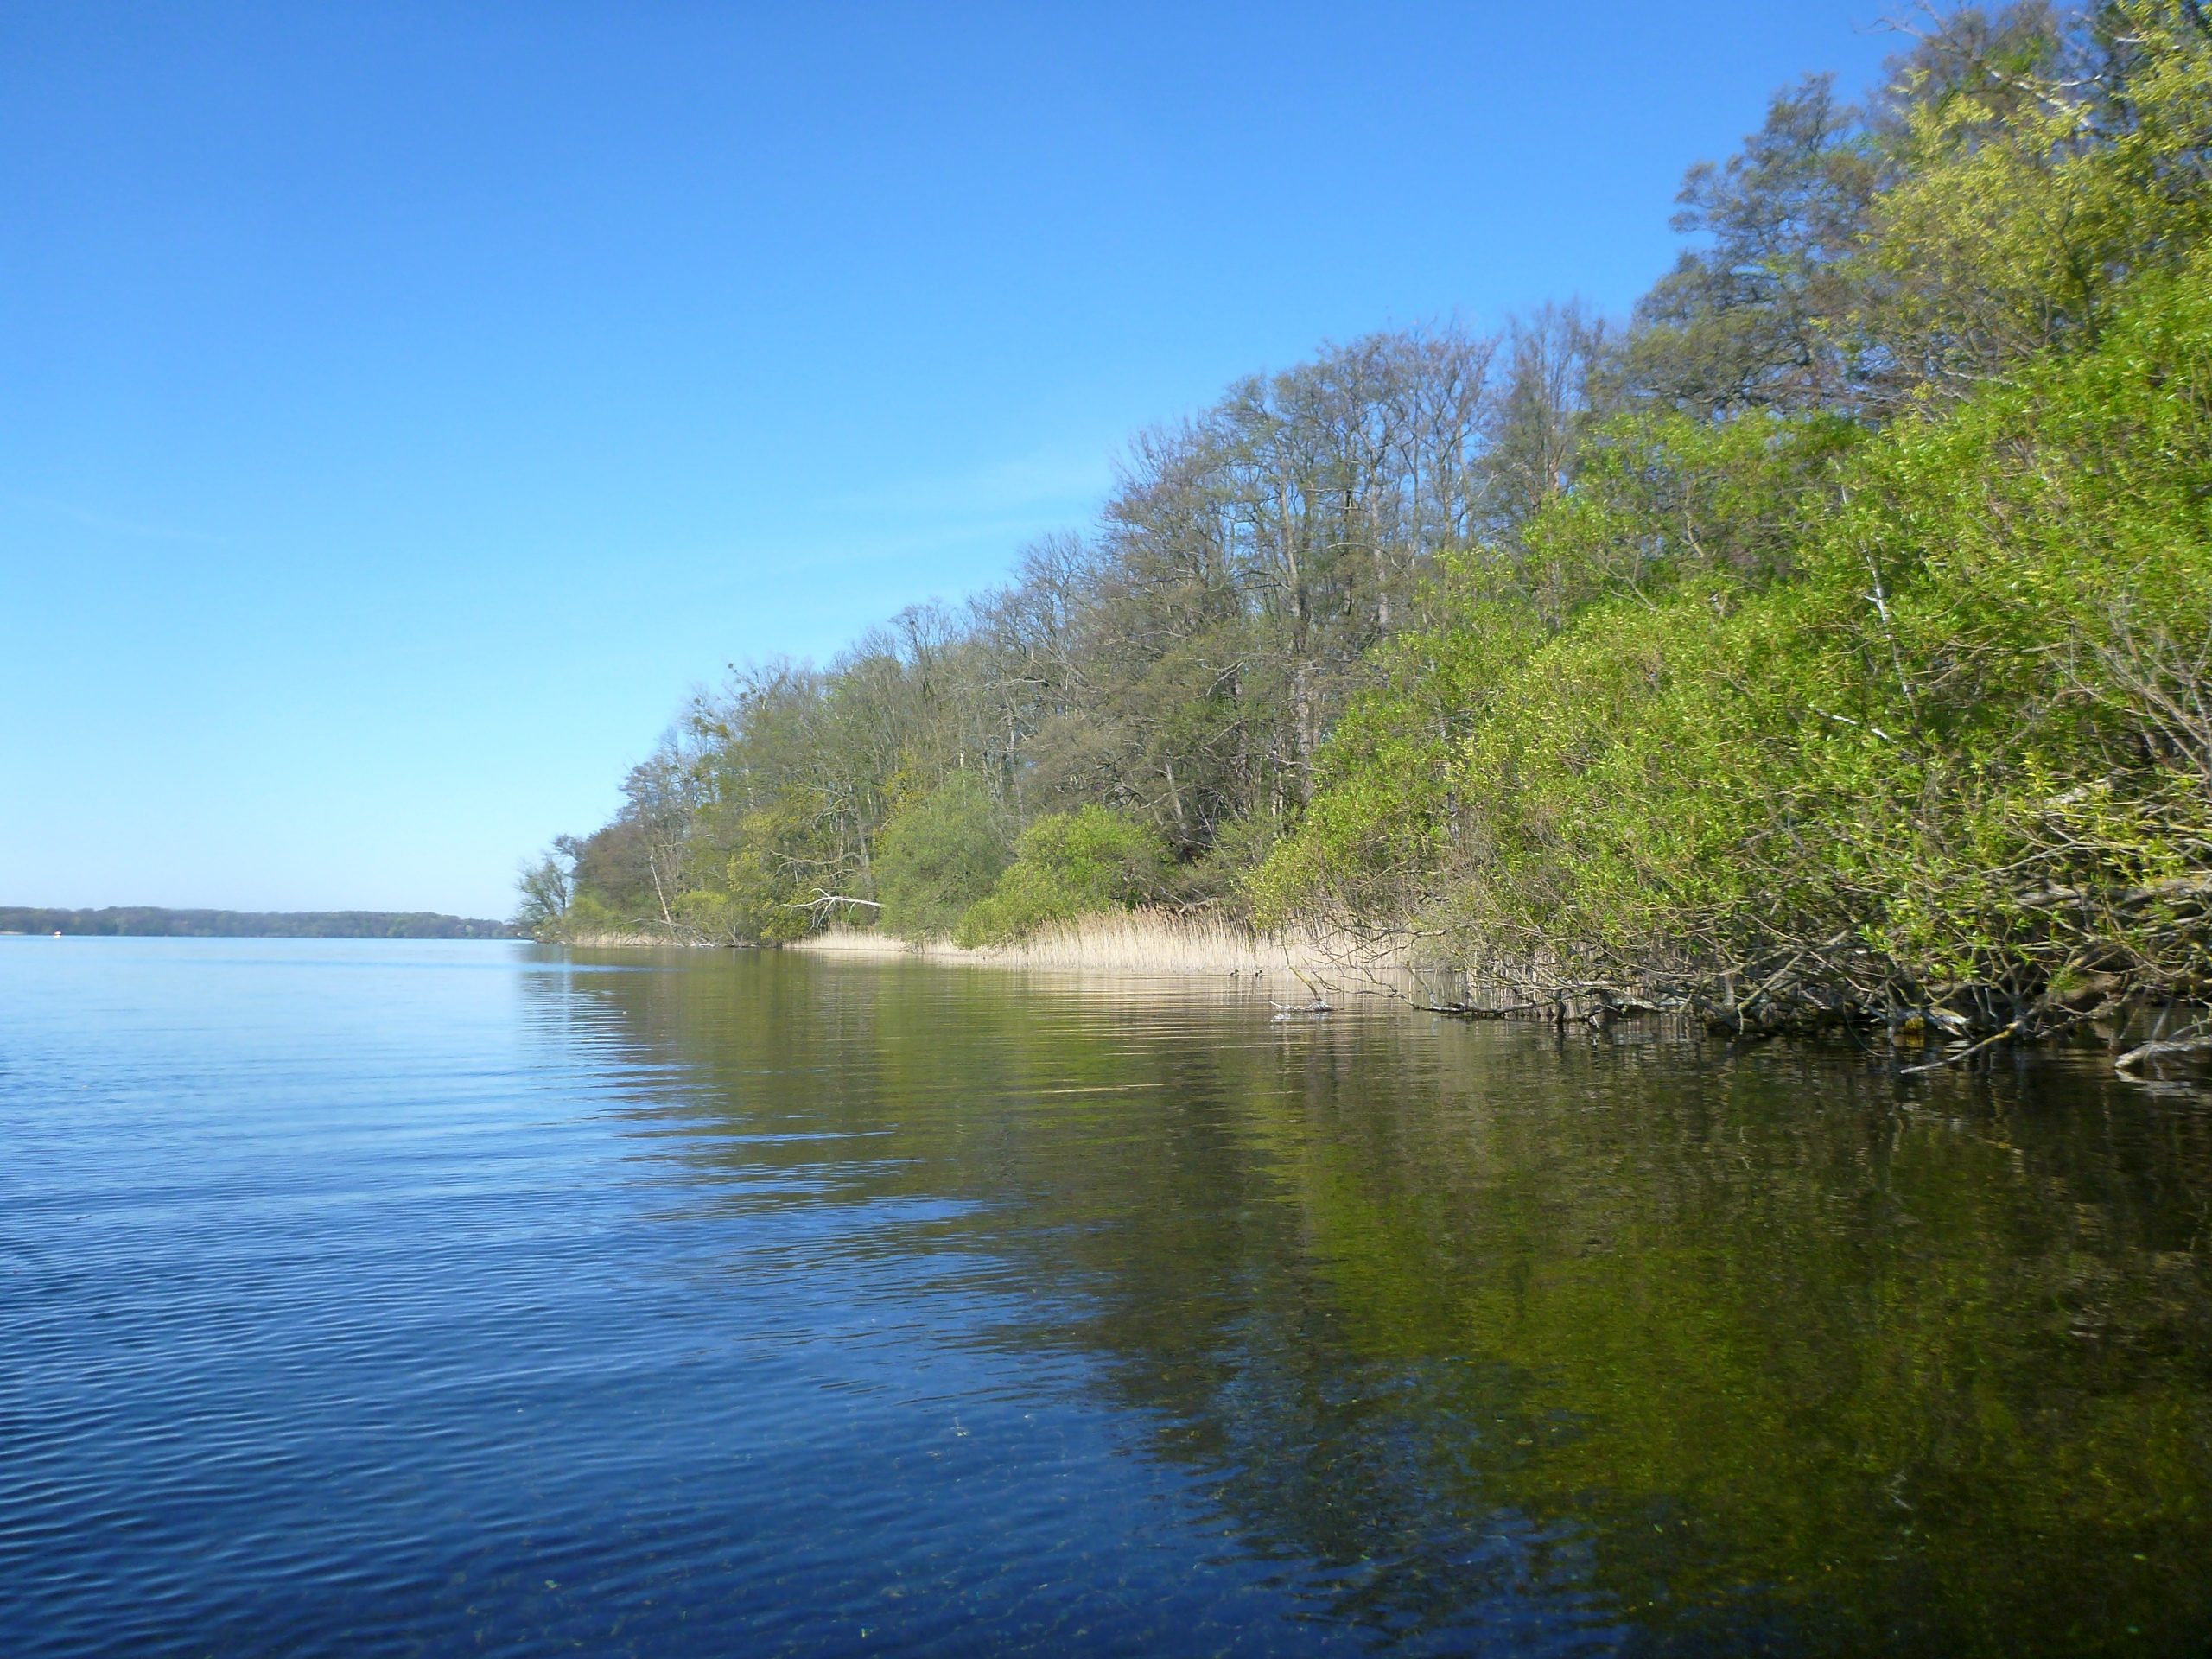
1840, 624
1660, 498
1749, 320
759, 899
1067, 865
939, 855
546, 887
2031, 190
1985, 686
1389, 809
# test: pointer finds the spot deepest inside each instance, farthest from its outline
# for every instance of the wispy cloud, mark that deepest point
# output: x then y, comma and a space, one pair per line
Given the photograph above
109, 524
1067, 479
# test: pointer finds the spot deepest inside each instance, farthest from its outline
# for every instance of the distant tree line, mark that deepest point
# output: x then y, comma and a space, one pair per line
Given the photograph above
1831, 638
152, 922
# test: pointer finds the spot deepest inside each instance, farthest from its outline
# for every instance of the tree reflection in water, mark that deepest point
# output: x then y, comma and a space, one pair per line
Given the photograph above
1736, 1350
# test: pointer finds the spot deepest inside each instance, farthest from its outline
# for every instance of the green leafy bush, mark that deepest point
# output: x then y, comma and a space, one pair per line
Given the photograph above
939, 855
1962, 751
1067, 865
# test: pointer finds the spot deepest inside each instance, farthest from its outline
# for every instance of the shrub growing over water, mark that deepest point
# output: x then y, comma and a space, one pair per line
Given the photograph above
1067, 865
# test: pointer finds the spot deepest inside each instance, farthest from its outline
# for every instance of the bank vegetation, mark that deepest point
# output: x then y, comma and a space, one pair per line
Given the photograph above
1829, 642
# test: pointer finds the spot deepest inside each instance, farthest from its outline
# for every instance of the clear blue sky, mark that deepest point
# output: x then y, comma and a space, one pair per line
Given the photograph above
402, 406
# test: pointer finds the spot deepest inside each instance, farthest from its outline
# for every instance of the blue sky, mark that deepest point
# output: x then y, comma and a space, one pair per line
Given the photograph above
403, 406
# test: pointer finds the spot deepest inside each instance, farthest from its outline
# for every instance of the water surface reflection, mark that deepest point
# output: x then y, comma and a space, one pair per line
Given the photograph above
366, 1298
1472, 1331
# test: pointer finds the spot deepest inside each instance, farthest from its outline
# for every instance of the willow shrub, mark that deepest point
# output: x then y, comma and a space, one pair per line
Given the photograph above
1067, 865
1974, 689
938, 856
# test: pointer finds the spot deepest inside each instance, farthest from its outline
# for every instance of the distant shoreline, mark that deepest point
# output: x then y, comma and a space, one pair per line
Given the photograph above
154, 921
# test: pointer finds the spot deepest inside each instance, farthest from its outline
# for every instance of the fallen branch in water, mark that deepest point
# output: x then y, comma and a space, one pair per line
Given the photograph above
1469, 1011
2196, 1042
2006, 1035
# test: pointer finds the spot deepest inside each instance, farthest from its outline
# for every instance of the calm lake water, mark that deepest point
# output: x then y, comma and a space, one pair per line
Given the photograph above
386, 1298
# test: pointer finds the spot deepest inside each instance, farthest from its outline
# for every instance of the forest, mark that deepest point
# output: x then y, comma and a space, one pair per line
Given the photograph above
1829, 639
151, 921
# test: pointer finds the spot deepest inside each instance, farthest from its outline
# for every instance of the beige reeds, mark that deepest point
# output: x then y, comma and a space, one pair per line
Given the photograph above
1147, 942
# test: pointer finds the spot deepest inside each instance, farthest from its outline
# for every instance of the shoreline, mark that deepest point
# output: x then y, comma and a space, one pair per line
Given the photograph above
607, 938
1147, 943
1153, 943
1316, 962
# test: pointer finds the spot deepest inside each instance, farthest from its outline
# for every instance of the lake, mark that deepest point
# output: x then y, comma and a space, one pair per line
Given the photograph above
367, 1298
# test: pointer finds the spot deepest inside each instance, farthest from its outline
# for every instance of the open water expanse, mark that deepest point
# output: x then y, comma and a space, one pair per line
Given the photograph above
369, 1298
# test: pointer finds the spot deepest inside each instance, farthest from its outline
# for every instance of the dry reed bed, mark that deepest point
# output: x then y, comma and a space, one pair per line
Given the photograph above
628, 938
1145, 942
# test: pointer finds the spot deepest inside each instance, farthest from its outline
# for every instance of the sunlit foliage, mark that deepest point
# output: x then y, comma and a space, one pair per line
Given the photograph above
1832, 640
